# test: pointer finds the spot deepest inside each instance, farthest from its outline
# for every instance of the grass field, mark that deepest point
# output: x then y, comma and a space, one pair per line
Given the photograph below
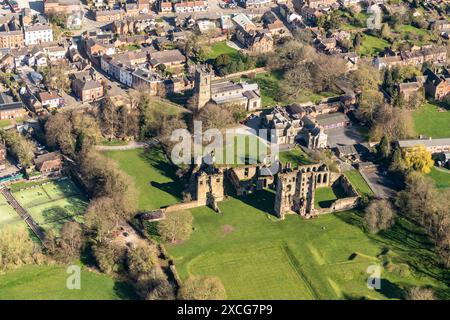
8, 217
441, 177
49, 283
154, 177
372, 45
324, 197
53, 203
430, 122
221, 47
296, 156
258, 257
359, 183
269, 84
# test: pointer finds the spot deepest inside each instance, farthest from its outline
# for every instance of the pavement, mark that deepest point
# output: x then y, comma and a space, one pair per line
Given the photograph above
344, 136
379, 181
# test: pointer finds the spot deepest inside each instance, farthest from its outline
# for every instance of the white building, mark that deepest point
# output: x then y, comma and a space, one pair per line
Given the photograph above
126, 76
38, 34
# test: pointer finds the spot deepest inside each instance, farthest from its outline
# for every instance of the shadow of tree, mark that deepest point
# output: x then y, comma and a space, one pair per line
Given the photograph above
125, 291
391, 290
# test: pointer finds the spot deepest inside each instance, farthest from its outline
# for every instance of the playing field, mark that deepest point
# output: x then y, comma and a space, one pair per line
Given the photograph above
49, 283
258, 257
53, 203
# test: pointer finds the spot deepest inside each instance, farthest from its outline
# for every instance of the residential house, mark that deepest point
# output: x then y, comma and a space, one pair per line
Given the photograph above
191, 6
39, 33
109, 15
172, 59
165, 6
10, 108
256, 3
415, 57
62, 6
11, 34
437, 85
409, 90
86, 88
49, 163
50, 99
147, 81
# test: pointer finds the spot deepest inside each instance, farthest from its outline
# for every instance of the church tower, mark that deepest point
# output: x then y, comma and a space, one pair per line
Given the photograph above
203, 78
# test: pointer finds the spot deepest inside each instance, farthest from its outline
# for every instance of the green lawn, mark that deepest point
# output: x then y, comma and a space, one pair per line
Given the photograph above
359, 183
324, 197
296, 156
5, 123
49, 283
168, 107
54, 203
372, 45
269, 84
219, 48
154, 177
429, 121
8, 217
441, 177
258, 257
113, 143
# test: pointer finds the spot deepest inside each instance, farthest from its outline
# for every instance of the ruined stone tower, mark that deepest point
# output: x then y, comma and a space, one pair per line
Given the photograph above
209, 187
203, 77
296, 188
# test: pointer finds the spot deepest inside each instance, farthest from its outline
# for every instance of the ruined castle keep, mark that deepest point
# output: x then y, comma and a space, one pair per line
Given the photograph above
295, 188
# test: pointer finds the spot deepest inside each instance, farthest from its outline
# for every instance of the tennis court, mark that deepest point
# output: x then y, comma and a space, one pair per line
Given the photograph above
53, 203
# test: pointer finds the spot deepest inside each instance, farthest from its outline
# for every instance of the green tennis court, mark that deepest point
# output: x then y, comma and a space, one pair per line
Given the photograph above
53, 203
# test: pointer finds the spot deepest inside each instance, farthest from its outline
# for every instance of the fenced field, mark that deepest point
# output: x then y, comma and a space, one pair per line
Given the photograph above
52, 203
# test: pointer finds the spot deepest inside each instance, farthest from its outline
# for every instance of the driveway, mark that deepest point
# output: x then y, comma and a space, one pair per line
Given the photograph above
381, 183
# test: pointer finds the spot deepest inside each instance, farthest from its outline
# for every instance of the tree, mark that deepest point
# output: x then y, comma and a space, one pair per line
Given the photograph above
55, 78
18, 146
17, 249
379, 215
141, 259
68, 246
366, 77
102, 217
58, 133
154, 286
370, 103
202, 288
418, 158
215, 116
418, 293
177, 226
384, 147
110, 257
